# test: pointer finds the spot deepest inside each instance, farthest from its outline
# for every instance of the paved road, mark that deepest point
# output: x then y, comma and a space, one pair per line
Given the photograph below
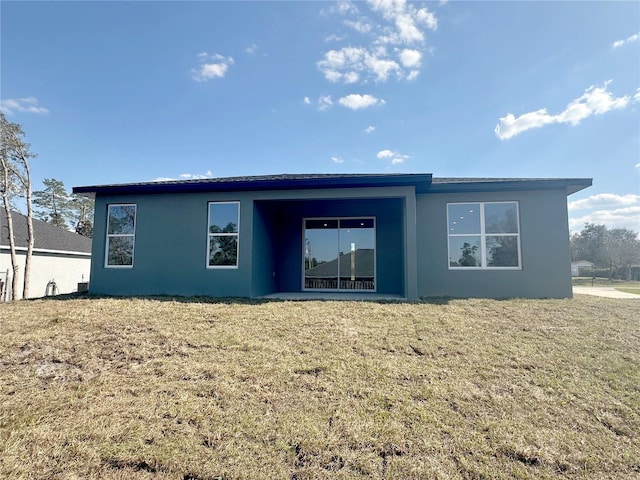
609, 292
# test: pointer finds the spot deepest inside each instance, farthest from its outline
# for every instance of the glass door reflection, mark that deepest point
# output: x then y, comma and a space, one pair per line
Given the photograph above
339, 254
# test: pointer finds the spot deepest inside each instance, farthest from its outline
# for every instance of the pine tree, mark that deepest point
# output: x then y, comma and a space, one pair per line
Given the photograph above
54, 204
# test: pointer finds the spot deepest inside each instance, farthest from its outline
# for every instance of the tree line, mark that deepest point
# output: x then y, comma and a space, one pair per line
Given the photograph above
614, 251
52, 204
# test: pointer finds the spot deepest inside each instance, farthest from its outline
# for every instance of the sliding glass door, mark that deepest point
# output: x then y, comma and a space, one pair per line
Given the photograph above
339, 254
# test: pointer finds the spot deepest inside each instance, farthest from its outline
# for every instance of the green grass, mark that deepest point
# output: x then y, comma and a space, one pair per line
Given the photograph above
621, 285
187, 389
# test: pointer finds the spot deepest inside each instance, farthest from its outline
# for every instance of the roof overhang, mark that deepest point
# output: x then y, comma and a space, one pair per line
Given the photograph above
260, 183
422, 182
458, 185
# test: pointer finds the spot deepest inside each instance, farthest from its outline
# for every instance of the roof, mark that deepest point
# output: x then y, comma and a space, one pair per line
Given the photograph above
363, 266
423, 183
46, 235
572, 185
263, 182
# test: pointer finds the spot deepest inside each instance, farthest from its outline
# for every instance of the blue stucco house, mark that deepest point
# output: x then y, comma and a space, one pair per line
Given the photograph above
392, 235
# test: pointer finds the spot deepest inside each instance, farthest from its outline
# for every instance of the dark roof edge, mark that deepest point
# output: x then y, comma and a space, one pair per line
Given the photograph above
276, 182
424, 183
457, 185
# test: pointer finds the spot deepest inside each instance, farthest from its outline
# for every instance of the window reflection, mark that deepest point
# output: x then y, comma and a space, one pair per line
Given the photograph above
339, 254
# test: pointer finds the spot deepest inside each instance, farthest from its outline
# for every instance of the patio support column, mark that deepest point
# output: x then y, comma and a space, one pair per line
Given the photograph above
410, 248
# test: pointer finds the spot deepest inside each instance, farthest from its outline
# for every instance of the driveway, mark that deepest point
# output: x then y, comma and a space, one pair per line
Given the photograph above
609, 292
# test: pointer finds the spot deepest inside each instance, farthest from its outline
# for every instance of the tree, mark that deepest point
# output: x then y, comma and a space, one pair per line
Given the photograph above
224, 248
82, 213
616, 249
624, 246
53, 203
468, 258
591, 244
16, 180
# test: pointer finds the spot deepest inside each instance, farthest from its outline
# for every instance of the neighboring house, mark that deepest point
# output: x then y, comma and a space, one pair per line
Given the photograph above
578, 266
60, 260
395, 235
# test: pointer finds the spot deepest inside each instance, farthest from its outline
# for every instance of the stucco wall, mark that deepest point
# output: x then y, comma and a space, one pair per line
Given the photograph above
544, 239
66, 270
171, 241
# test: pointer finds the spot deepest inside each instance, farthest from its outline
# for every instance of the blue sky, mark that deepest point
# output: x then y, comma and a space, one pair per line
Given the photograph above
116, 92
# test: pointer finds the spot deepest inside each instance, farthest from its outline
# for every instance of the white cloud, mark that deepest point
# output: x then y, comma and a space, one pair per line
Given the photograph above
307, 101
22, 105
410, 58
211, 66
356, 101
359, 26
251, 49
594, 101
325, 102
185, 176
398, 23
604, 200
407, 19
335, 38
610, 209
337, 160
381, 67
413, 75
369, 129
395, 158
385, 154
627, 217
341, 8
632, 38
195, 176
351, 77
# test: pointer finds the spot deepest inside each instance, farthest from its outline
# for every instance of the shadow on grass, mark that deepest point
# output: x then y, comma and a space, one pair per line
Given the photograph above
442, 300
245, 300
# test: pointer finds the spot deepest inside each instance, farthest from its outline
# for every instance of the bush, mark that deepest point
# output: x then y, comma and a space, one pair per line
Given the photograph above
619, 273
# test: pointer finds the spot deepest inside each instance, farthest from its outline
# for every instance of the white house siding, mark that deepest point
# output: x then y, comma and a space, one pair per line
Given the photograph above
579, 265
65, 269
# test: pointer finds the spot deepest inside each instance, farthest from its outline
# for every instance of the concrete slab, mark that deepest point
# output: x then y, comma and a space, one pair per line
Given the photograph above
608, 292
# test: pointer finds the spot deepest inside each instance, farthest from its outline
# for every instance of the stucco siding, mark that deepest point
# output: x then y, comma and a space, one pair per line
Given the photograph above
170, 253
544, 242
65, 270
171, 241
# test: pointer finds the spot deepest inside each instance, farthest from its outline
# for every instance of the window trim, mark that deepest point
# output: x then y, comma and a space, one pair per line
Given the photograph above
111, 235
483, 237
209, 235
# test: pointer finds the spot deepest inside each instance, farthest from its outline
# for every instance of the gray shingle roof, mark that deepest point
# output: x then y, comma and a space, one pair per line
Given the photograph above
363, 263
423, 182
47, 236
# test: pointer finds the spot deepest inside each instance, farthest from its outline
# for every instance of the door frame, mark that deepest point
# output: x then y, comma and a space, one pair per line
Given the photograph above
338, 289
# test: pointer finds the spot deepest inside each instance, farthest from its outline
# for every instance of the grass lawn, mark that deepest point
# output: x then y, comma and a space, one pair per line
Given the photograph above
621, 285
186, 389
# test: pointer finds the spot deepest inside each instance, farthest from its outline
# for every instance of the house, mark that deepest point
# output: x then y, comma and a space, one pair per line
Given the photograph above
391, 235
578, 266
60, 259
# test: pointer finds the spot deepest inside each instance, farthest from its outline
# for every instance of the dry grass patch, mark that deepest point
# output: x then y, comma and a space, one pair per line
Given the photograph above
181, 389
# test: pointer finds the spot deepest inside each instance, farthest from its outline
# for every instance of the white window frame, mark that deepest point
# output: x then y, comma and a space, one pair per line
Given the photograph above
209, 235
483, 237
114, 235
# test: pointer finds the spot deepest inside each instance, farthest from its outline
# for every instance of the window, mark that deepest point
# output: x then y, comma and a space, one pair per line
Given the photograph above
483, 235
121, 228
339, 254
222, 250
